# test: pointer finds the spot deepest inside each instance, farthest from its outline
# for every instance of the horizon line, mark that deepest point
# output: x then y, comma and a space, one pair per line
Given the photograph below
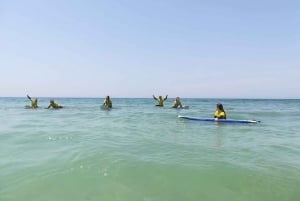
152, 98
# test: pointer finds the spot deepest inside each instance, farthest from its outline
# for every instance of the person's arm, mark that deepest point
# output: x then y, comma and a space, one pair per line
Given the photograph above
30, 99
166, 97
154, 97
215, 115
57, 105
109, 103
223, 116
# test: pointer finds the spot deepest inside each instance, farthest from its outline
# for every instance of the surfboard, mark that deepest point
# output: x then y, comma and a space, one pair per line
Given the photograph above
219, 120
104, 107
183, 107
29, 107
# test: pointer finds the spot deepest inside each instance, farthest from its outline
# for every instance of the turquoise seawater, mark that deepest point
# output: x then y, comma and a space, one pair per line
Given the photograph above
139, 152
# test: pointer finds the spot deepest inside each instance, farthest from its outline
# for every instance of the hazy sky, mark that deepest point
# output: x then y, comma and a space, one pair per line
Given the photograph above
136, 48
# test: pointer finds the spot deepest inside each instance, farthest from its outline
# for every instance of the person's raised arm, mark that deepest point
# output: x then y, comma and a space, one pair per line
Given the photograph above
166, 97
49, 106
154, 97
29, 97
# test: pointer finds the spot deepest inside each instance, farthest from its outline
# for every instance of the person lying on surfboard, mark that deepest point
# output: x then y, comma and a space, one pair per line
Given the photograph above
160, 100
220, 112
34, 102
177, 103
54, 105
107, 102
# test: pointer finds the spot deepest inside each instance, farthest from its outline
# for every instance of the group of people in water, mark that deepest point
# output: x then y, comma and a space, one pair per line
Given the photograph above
52, 104
219, 113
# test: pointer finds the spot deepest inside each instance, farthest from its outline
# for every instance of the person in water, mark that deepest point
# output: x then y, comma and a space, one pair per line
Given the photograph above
54, 105
177, 103
107, 102
220, 112
34, 102
160, 100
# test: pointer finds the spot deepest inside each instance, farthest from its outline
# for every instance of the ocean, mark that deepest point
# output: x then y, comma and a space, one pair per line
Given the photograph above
139, 152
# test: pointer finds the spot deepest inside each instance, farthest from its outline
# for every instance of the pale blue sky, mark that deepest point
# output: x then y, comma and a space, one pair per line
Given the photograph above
136, 48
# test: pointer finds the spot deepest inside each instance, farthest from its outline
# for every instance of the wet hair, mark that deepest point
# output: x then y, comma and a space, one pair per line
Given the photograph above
220, 107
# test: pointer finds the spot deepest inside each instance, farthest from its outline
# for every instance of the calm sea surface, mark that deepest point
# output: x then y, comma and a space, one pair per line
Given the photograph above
139, 152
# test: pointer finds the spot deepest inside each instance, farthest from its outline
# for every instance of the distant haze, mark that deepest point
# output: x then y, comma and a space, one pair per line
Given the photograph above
201, 49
